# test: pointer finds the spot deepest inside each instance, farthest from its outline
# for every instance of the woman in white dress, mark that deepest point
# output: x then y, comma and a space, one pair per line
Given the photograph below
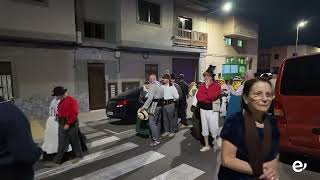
50, 143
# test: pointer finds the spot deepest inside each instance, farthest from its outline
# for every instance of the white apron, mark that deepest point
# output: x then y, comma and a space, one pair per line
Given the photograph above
50, 143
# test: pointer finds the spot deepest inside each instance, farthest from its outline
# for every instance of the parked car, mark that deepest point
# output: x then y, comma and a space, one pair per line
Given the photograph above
125, 105
297, 105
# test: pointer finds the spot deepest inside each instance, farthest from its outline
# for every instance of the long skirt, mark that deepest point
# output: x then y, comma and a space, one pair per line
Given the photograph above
50, 143
142, 127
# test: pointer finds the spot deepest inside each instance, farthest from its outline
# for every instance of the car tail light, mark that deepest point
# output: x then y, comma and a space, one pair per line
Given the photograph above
278, 112
122, 103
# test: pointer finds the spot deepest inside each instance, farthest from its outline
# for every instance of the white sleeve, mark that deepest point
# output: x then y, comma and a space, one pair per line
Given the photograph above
195, 100
175, 93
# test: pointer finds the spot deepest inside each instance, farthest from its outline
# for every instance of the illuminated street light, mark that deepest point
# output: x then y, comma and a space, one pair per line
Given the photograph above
226, 7
301, 24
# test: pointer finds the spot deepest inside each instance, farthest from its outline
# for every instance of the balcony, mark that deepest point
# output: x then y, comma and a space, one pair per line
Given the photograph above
189, 38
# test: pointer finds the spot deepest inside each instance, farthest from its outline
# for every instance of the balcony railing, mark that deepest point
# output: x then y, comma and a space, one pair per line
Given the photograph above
189, 38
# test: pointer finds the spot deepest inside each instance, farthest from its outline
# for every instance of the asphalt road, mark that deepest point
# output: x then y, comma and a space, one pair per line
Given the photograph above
117, 153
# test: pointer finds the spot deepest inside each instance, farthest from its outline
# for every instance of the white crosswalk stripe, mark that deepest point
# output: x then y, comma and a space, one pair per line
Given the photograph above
96, 123
123, 167
183, 172
94, 135
102, 141
86, 160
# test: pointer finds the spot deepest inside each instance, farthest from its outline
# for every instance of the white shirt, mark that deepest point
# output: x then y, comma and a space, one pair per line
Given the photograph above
170, 92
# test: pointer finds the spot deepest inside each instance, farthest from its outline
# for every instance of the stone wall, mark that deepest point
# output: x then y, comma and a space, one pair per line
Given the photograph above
38, 107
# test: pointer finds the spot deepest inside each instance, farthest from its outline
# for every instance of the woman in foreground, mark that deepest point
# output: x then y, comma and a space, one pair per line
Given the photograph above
251, 138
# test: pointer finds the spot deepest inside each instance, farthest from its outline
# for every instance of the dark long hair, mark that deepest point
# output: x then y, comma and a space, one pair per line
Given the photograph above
247, 89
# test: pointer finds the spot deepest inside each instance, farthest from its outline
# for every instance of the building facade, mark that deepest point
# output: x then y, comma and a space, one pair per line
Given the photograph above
98, 49
271, 59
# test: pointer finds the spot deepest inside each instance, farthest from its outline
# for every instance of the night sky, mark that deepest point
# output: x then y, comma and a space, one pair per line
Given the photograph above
277, 20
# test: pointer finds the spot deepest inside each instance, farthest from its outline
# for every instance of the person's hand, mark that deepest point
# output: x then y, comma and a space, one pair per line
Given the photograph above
66, 127
140, 109
270, 172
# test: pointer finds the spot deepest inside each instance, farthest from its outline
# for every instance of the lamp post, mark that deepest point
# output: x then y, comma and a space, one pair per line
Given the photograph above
301, 24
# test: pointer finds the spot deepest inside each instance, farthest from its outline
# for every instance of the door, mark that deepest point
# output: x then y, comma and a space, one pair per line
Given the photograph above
6, 90
188, 67
97, 87
300, 97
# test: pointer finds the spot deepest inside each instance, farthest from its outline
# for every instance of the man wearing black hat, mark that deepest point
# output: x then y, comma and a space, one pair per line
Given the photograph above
18, 152
182, 111
207, 95
68, 125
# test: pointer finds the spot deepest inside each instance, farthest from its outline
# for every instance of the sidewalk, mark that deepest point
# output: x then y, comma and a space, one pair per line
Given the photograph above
38, 126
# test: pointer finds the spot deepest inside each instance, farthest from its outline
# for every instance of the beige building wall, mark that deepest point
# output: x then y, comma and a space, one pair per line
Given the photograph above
52, 21
218, 29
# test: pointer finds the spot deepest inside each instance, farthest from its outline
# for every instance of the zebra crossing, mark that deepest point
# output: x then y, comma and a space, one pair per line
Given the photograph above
103, 151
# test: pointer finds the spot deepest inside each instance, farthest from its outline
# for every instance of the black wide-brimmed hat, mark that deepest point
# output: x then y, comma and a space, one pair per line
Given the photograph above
210, 71
173, 76
59, 91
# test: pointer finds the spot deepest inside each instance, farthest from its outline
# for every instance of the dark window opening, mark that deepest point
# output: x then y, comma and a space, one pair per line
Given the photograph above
94, 30
184, 23
149, 12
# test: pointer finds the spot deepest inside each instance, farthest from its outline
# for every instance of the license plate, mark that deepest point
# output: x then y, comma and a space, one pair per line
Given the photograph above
110, 113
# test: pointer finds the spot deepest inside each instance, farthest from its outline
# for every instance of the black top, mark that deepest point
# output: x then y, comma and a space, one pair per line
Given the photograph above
16, 143
234, 132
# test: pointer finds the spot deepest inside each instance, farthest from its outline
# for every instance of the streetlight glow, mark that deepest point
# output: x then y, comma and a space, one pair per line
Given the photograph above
302, 23
227, 7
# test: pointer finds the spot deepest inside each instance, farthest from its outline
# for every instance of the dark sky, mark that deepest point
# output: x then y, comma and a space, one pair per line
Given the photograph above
277, 20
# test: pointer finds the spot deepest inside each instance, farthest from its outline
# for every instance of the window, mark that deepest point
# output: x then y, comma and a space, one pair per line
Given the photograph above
149, 12
6, 90
239, 43
130, 85
112, 89
235, 66
184, 23
276, 56
151, 69
228, 41
94, 30
301, 76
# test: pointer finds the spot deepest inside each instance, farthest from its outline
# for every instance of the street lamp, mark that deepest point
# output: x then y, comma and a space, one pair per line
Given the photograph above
226, 7
301, 24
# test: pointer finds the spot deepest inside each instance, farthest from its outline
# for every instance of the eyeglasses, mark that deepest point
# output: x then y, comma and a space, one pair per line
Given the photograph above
260, 96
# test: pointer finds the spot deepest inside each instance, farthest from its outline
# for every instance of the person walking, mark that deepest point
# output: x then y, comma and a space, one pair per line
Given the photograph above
182, 111
224, 96
236, 92
153, 105
68, 132
181, 94
191, 93
169, 109
18, 152
50, 142
250, 144
142, 125
208, 93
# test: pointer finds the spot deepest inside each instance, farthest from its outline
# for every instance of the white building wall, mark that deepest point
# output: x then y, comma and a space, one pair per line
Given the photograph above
54, 22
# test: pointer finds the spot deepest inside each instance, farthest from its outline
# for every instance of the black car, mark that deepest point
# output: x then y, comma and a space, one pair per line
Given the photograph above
125, 105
